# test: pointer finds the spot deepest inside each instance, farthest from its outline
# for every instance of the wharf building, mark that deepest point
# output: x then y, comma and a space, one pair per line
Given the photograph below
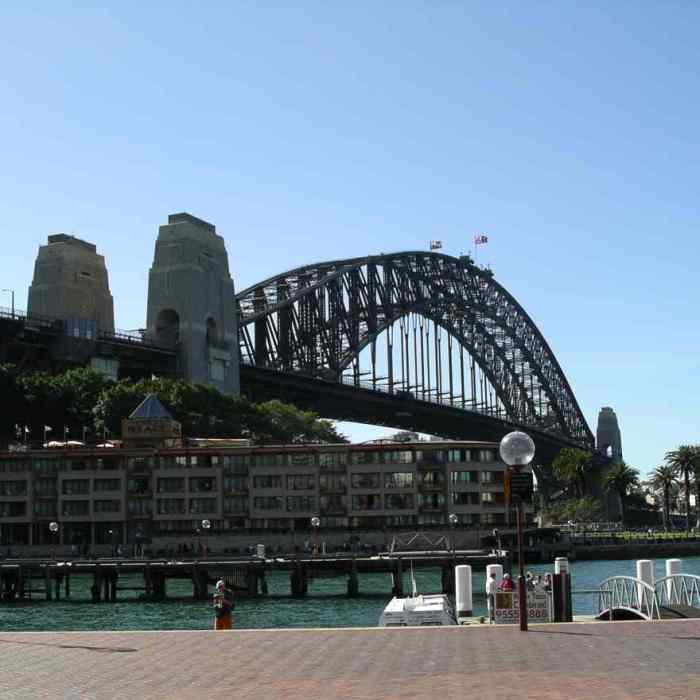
153, 488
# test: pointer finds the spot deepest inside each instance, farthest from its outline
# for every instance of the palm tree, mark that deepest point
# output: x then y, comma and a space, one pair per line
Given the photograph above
684, 461
571, 466
663, 478
619, 478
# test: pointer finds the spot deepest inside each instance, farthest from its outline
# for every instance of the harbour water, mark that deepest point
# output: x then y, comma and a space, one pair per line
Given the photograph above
325, 606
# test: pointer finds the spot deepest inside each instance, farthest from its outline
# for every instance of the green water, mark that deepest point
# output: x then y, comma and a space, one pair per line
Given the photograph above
325, 606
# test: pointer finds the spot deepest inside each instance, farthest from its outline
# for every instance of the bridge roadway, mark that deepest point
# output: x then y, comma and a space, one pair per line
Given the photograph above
593, 661
28, 579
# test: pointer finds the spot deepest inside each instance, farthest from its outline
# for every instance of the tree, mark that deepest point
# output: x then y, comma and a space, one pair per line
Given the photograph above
684, 460
571, 466
620, 478
663, 478
580, 510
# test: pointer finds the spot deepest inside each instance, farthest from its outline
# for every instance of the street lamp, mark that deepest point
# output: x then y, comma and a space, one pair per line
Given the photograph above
206, 525
316, 524
53, 527
12, 292
517, 450
453, 523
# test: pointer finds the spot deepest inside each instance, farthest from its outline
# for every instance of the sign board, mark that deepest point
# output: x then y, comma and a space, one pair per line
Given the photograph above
521, 485
507, 611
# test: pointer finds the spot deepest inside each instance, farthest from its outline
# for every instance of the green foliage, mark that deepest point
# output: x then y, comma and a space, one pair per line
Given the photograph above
84, 398
663, 478
580, 510
685, 460
620, 478
570, 467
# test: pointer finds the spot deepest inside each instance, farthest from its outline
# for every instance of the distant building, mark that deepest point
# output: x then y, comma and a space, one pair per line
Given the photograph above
71, 283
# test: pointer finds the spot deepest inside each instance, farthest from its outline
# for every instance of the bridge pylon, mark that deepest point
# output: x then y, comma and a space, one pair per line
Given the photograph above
191, 303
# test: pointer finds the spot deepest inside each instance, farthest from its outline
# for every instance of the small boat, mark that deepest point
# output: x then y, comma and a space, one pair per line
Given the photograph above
418, 610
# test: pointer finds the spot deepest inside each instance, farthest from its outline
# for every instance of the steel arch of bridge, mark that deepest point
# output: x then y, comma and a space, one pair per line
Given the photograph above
318, 319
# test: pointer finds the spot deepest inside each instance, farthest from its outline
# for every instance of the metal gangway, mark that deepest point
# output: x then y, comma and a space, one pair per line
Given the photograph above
628, 598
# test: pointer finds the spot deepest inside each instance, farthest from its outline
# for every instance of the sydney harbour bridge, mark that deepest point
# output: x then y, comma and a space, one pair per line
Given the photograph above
414, 340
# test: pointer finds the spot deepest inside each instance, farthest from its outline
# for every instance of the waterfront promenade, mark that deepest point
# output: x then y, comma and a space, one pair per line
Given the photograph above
579, 661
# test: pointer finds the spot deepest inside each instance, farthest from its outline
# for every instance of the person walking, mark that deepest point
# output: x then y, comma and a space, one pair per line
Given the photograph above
491, 587
223, 605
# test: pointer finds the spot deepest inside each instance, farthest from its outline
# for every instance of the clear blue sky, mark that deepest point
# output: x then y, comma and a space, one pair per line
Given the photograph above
568, 132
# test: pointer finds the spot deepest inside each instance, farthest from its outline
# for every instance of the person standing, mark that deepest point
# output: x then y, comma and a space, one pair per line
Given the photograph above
491, 587
223, 605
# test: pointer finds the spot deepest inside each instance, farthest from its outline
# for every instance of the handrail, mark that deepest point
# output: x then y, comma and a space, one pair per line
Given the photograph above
629, 593
679, 589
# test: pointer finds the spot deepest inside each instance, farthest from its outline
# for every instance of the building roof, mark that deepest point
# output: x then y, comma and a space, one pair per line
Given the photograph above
150, 409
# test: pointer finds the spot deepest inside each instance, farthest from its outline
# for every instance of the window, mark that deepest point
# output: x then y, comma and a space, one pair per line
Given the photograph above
364, 457
267, 481
45, 508
235, 504
493, 499
139, 487
236, 464
200, 484
399, 480
301, 482
217, 370
432, 478
13, 509
14, 465
431, 456
173, 484
139, 463
268, 503
107, 485
299, 459
45, 488
487, 456
111, 506
372, 501
76, 508
466, 498
370, 480
333, 504
203, 505
76, 487
235, 483
464, 477
274, 460
398, 501
459, 456
301, 504
332, 459
433, 501
332, 482
491, 477
171, 506
45, 466
13, 488
141, 506
77, 465
398, 457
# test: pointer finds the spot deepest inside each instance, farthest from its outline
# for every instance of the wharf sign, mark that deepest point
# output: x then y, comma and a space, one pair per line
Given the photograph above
144, 429
507, 612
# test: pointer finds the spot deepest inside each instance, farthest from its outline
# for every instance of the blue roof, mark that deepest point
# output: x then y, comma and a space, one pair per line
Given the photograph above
151, 409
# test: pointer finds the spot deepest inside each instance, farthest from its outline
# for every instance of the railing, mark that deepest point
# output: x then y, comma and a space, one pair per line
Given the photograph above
678, 589
629, 594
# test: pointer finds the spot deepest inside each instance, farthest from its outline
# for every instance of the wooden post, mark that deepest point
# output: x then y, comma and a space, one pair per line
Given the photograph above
47, 580
95, 589
57, 586
397, 589
67, 592
114, 577
353, 582
252, 581
147, 581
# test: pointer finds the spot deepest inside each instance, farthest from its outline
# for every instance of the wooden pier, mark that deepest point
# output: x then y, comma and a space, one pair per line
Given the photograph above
50, 580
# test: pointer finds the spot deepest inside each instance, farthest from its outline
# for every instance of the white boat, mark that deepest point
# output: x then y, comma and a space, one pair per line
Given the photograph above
417, 611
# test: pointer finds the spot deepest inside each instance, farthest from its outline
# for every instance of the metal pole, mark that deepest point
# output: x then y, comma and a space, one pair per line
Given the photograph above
522, 593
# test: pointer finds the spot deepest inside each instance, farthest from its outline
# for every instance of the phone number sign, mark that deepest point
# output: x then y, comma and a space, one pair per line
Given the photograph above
507, 611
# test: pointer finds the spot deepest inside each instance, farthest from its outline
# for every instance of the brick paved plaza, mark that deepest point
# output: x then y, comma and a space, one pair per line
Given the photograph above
600, 661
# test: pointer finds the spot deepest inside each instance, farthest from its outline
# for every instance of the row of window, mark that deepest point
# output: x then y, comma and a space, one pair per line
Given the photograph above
52, 465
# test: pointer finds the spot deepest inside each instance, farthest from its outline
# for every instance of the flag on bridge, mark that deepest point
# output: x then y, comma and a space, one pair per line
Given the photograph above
435, 245
480, 239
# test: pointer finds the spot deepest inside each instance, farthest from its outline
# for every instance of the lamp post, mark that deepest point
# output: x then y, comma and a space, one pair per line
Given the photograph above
12, 292
517, 450
53, 528
206, 525
316, 524
453, 523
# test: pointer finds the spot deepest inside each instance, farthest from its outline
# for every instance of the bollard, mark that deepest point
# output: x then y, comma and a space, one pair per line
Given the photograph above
645, 572
562, 608
673, 566
463, 590
260, 551
497, 569
561, 565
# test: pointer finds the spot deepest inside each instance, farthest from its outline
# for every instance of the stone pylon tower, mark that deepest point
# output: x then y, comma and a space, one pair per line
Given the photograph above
71, 283
608, 438
191, 304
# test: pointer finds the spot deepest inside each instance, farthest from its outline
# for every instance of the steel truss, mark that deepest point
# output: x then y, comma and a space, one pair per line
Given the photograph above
452, 335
